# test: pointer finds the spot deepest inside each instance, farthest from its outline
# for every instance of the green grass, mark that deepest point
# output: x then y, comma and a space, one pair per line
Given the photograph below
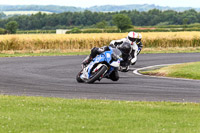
170, 51
187, 70
59, 53
43, 54
44, 115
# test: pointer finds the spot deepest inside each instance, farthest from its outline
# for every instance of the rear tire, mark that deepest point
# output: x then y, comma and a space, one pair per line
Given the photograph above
114, 76
98, 74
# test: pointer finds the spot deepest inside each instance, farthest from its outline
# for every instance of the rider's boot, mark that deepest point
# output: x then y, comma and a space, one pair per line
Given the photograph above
87, 60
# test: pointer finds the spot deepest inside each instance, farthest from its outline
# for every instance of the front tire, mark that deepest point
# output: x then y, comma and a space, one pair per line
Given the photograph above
78, 79
124, 69
97, 74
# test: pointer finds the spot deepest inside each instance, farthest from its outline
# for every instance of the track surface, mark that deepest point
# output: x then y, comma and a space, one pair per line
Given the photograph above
55, 77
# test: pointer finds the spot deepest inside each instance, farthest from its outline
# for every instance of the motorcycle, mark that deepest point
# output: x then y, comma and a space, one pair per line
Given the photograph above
100, 67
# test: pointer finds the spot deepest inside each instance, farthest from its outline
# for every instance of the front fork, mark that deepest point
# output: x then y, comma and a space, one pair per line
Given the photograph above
110, 70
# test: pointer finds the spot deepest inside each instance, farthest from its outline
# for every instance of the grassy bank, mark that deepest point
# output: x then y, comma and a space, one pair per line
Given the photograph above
187, 70
23, 53
37, 114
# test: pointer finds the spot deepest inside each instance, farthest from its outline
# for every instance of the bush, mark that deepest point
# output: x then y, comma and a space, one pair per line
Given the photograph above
2, 31
75, 30
36, 32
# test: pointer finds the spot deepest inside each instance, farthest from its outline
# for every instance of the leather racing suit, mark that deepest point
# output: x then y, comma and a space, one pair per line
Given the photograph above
132, 58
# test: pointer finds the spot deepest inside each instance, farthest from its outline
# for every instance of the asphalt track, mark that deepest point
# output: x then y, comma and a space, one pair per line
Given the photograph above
55, 77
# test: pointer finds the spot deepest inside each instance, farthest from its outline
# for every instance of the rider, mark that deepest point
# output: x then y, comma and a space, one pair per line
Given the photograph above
96, 51
139, 43
131, 39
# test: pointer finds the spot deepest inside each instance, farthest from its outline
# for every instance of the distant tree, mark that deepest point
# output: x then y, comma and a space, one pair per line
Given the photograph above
122, 21
191, 15
2, 15
11, 27
102, 24
185, 22
98, 19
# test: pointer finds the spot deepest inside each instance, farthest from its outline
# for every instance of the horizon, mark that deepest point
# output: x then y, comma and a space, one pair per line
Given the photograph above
91, 3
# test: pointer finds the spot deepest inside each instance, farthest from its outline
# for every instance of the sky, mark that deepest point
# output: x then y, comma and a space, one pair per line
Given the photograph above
89, 3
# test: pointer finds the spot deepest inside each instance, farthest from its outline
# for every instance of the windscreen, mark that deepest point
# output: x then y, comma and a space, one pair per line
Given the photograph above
117, 53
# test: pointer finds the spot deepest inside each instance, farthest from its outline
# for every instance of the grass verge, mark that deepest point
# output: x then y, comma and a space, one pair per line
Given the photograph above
186, 70
171, 50
87, 52
37, 114
18, 54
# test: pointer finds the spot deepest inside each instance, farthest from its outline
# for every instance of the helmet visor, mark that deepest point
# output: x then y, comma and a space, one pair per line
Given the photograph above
132, 39
138, 40
125, 48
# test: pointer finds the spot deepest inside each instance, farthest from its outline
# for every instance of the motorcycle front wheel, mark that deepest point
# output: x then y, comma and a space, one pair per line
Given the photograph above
97, 75
78, 79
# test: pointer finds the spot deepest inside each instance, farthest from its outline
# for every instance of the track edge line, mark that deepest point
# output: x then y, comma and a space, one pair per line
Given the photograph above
143, 68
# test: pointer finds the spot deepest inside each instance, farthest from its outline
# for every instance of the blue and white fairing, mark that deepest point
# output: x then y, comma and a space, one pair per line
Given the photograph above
110, 58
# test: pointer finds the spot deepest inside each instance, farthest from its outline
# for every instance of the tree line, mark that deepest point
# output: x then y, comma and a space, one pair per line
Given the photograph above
88, 18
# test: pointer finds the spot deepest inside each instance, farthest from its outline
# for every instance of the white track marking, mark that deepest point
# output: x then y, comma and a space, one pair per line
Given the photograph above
148, 67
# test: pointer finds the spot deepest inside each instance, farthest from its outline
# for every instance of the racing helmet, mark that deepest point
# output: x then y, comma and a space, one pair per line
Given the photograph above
139, 38
132, 36
125, 48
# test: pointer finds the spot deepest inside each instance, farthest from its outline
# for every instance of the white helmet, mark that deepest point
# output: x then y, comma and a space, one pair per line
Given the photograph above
132, 36
139, 36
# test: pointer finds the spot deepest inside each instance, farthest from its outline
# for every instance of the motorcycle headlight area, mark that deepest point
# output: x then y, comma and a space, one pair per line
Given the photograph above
115, 57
